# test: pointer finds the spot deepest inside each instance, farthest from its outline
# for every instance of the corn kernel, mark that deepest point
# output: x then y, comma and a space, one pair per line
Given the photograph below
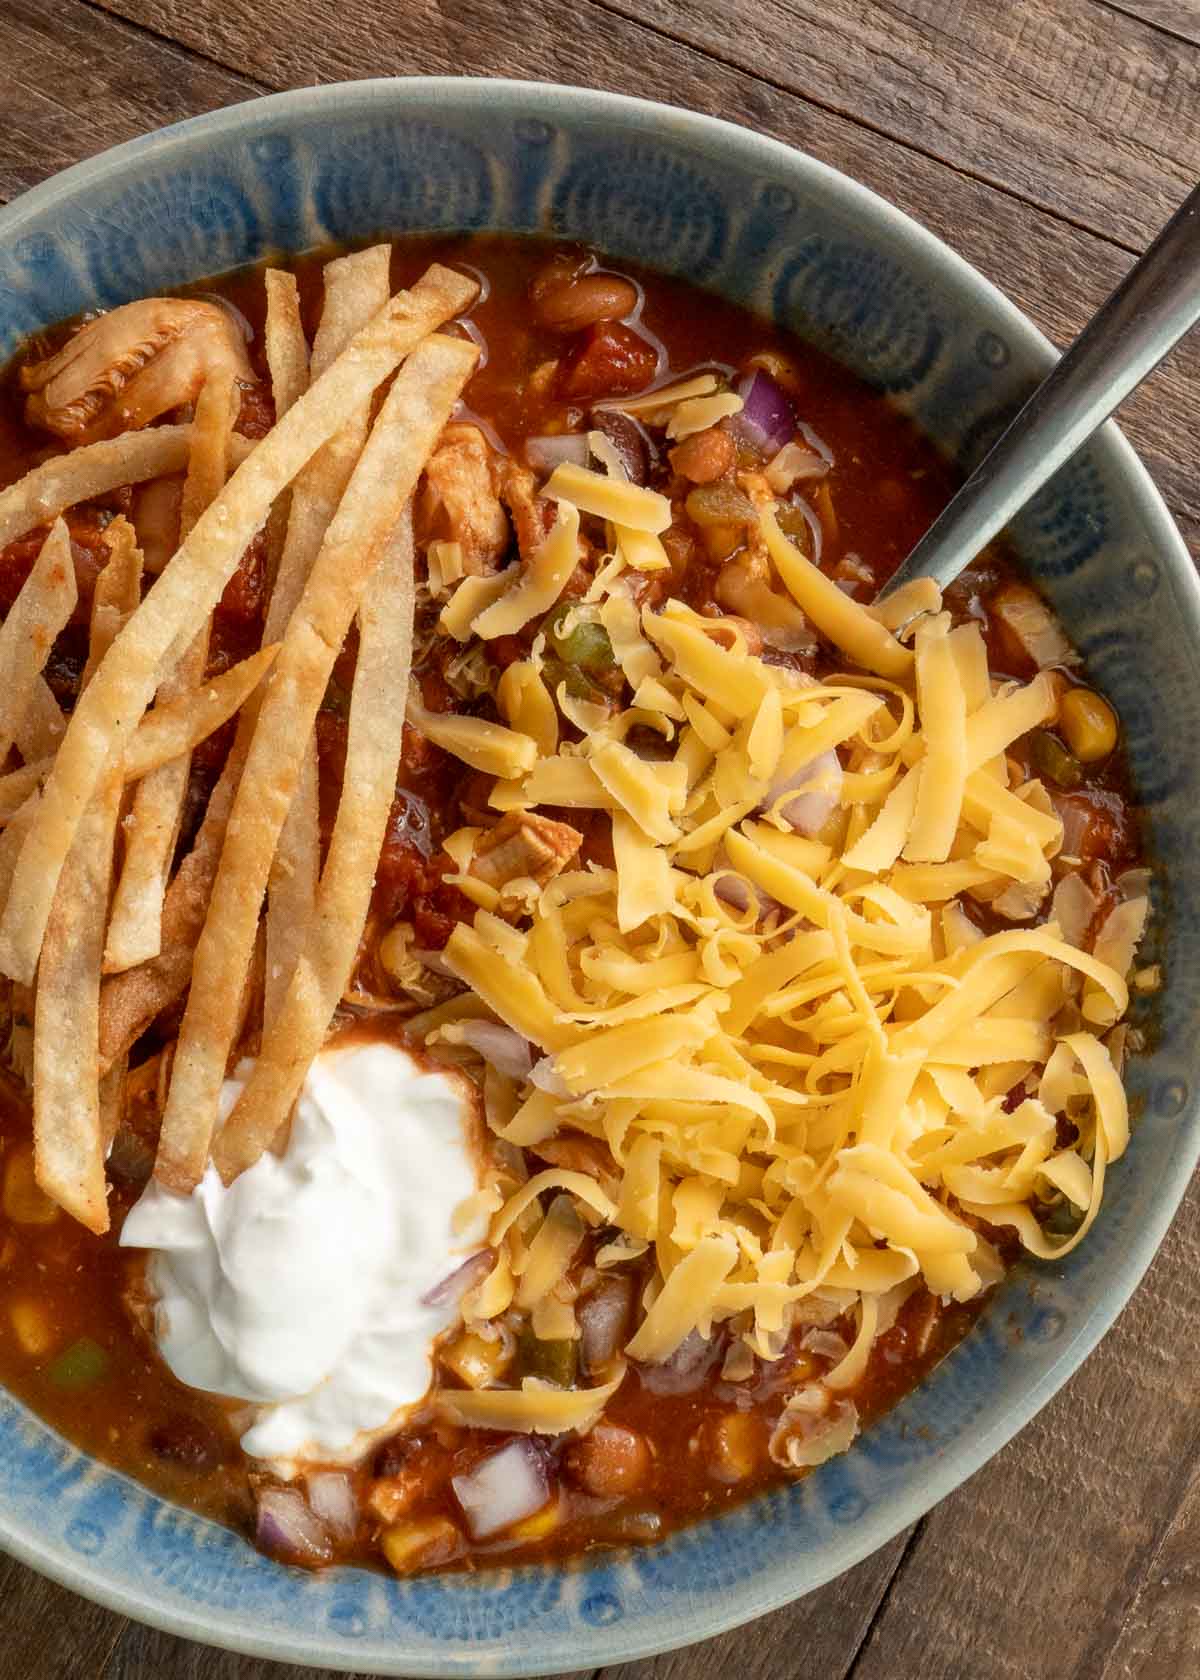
735, 1446
24, 1202
1089, 724
423, 1545
476, 1361
392, 1496
32, 1327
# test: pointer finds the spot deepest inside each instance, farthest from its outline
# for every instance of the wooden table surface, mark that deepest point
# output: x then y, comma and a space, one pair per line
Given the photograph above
1045, 140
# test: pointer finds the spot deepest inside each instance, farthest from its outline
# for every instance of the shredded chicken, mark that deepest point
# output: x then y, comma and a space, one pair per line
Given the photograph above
528, 509
745, 584
461, 500
124, 369
525, 846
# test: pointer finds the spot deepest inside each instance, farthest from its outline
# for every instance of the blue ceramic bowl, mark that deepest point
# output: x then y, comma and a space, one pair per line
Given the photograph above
775, 230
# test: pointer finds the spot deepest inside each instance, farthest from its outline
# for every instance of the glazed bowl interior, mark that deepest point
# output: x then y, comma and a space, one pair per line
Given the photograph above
774, 230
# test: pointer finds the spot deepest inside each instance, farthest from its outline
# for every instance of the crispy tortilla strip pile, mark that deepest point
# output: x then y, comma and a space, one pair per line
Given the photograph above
336, 486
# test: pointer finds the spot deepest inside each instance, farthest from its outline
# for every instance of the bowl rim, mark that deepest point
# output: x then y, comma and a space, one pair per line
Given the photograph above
960, 1460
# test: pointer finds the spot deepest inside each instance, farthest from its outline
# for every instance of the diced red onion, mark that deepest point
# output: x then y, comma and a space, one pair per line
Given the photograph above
795, 463
1073, 907
1133, 883
766, 420
505, 1049
331, 1499
288, 1529
544, 1076
450, 1291
230, 309
556, 450
740, 894
604, 1321
1075, 817
687, 1367
436, 963
1030, 620
805, 1437
810, 811
825, 1344
502, 1489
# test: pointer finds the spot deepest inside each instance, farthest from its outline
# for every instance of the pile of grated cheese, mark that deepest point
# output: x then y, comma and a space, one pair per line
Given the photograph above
797, 1048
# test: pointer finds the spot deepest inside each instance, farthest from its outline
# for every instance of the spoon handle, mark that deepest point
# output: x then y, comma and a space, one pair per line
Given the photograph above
1154, 306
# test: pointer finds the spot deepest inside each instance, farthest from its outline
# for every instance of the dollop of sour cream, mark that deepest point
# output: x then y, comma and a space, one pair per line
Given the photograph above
301, 1286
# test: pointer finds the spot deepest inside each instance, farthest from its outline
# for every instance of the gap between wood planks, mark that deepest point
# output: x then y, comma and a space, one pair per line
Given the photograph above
1178, 19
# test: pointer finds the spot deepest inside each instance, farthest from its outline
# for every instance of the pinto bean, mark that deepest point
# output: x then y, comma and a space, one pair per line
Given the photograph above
574, 304
610, 1460
705, 456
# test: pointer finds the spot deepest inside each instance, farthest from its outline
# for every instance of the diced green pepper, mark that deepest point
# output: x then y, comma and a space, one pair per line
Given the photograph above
80, 1366
1053, 762
578, 684
555, 1362
585, 645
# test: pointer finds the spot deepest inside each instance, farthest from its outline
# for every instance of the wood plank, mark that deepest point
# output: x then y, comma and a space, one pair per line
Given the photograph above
828, 1626
47, 1631
1177, 17
1058, 273
143, 1652
73, 81
1028, 1572
1086, 112
1161, 1635
831, 1623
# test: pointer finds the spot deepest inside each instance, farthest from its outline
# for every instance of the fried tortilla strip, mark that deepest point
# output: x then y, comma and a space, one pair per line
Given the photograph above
43, 725
375, 739
93, 470
129, 1002
112, 1101
163, 734
356, 288
44, 604
286, 346
414, 412
68, 1142
117, 591
64, 481
13, 838
292, 883
188, 590
69, 1138
152, 826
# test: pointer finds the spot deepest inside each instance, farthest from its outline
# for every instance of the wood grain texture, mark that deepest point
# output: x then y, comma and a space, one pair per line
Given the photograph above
1044, 139
1085, 111
1176, 17
46, 1631
1077, 109
73, 81
1058, 273
1161, 1634
828, 1626
1030, 1571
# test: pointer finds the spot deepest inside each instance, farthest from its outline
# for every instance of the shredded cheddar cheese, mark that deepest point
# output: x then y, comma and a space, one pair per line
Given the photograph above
798, 1051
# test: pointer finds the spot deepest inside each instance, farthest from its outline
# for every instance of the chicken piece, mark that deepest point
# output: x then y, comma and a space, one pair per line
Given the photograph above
461, 503
524, 846
124, 369
532, 515
744, 588
575, 1152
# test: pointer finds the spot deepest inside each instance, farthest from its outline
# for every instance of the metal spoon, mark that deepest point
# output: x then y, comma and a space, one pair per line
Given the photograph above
1154, 306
